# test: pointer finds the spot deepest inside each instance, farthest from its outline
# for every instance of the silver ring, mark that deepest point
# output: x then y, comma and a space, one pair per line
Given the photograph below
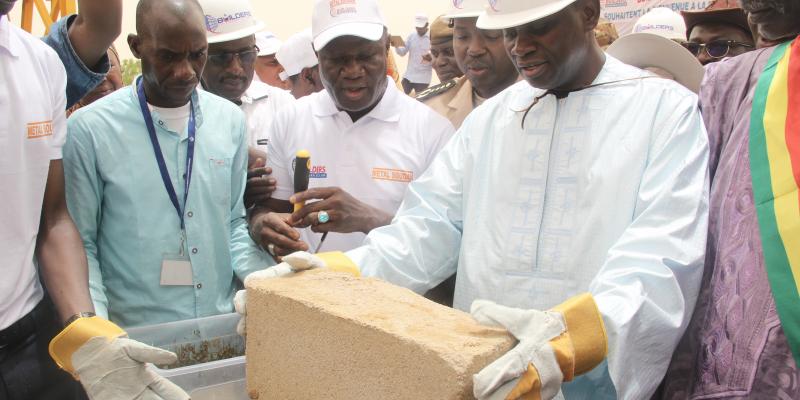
323, 217
271, 249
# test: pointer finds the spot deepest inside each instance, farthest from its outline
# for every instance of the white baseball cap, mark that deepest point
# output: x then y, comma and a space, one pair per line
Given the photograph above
336, 18
647, 50
268, 44
420, 20
296, 53
663, 22
502, 14
466, 8
228, 20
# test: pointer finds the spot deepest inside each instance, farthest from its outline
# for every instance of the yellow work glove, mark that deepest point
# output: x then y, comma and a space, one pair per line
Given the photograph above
554, 347
110, 366
295, 262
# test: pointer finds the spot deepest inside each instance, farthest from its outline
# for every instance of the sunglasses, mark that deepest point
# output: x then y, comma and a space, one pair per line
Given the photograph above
714, 48
245, 57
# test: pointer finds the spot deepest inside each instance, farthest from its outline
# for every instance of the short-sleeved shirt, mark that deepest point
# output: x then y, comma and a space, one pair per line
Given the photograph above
372, 159
419, 70
260, 103
80, 78
32, 132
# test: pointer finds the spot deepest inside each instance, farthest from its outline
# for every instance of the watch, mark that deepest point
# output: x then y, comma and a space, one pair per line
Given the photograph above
78, 316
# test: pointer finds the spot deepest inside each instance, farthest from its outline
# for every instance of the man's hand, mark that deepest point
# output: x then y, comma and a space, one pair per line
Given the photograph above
274, 233
292, 263
427, 58
111, 366
117, 369
260, 185
346, 214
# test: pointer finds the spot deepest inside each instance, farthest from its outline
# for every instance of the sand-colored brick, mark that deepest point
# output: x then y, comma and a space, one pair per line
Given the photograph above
326, 335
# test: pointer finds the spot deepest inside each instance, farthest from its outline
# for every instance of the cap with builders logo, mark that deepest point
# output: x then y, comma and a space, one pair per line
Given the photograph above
466, 8
228, 20
663, 22
501, 14
336, 18
268, 44
647, 51
296, 53
420, 20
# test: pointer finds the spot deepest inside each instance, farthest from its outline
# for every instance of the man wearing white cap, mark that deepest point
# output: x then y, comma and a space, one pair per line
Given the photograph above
229, 74
418, 47
155, 174
480, 54
268, 68
582, 191
663, 22
367, 140
300, 65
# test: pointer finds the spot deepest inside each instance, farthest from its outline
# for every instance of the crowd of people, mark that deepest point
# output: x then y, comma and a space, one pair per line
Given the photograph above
628, 207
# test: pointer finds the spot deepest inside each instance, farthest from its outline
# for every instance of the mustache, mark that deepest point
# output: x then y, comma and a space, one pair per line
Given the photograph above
232, 77
780, 6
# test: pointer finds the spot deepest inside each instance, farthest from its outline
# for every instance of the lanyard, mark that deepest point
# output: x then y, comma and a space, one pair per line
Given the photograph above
162, 166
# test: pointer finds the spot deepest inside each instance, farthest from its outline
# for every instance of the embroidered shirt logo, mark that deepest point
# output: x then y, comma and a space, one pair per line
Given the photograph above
387, 174
40, 129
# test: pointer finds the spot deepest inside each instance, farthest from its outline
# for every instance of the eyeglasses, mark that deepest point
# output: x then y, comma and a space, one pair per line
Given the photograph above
245, 57
714, 48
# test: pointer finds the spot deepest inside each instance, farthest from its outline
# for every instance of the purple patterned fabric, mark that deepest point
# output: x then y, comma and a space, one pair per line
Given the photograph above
734, 347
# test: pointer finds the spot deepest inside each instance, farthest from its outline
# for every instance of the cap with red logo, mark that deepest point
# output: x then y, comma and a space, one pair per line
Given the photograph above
336, 18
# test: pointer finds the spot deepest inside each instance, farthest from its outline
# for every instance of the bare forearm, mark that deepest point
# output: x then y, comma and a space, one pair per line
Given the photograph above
98, 24
63, 266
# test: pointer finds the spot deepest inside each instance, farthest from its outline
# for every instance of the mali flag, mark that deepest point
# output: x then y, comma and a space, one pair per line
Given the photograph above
775, 167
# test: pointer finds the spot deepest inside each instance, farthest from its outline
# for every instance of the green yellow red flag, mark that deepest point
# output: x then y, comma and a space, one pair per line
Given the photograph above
775, 170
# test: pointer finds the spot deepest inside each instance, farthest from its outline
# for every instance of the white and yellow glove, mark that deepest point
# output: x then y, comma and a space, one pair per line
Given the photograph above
110, 366
295, 262
554, 347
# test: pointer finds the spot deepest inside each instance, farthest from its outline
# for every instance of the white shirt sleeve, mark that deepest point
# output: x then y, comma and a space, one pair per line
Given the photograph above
649, 283
420, 249
59, 116
279, 156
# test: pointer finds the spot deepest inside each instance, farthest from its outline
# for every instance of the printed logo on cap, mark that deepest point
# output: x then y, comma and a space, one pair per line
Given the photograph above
339, 7
458, 4
616, 3
654, 27
214, 23
495, 5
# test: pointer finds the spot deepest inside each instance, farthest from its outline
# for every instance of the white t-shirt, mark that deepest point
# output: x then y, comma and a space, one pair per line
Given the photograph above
260, 103
32, 131
373, 159
176, 119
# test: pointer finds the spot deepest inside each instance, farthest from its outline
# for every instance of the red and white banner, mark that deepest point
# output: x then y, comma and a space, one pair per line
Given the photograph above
624, 13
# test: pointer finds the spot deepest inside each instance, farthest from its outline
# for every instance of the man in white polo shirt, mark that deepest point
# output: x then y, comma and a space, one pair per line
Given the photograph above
300, 62
367, 140
34, 222
229, 73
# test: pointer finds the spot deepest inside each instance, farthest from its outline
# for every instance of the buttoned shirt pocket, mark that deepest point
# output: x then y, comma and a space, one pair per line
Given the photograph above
219, 172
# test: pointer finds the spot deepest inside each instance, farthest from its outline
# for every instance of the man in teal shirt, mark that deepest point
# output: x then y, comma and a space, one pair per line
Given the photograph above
155, 253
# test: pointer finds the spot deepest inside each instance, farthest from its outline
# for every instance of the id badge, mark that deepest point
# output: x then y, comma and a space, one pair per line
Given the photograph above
176, 270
